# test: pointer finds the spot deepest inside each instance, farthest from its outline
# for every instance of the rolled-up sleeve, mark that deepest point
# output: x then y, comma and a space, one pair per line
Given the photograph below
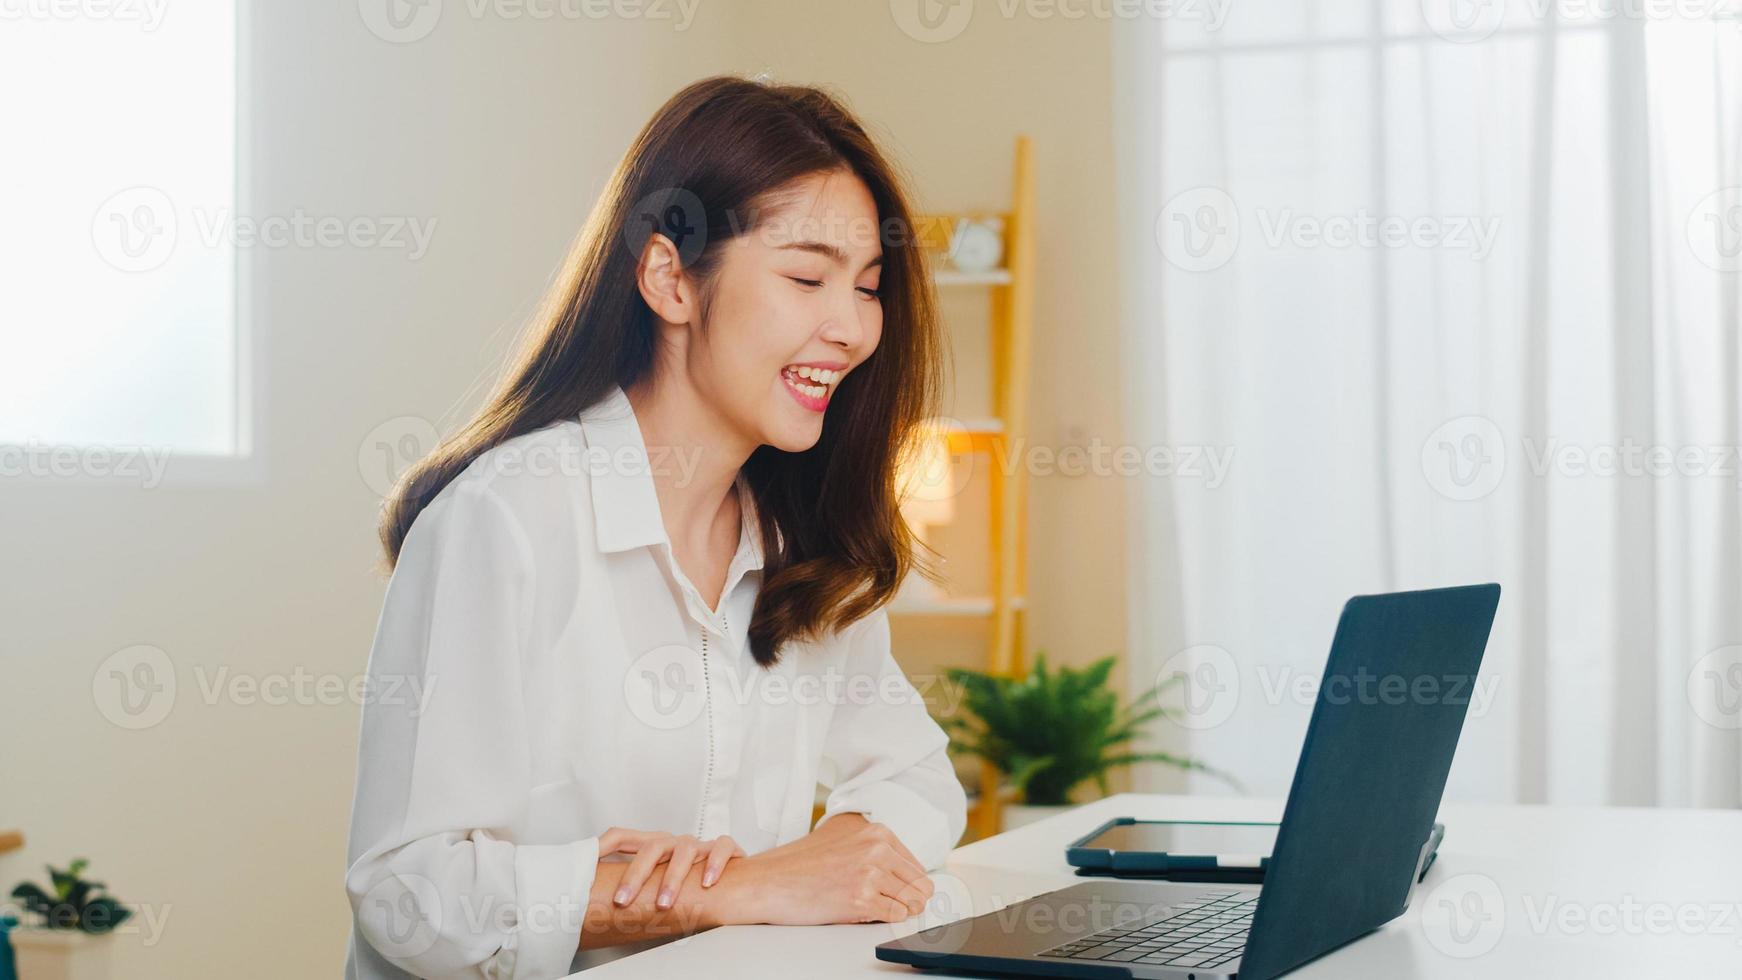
438, 887
885, 757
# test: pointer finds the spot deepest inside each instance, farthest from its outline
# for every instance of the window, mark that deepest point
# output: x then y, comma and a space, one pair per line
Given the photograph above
118, 318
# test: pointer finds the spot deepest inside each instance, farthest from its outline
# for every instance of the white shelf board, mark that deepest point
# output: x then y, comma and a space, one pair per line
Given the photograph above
986, 423
953, 606
956, 277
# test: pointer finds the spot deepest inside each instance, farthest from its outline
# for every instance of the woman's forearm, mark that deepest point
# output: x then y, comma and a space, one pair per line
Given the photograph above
749, 890
695, 908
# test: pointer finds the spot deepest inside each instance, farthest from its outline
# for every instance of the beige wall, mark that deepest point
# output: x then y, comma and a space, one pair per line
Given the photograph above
227, 820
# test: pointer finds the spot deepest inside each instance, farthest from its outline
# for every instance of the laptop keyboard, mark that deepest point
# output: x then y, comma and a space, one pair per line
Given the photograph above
1207, 931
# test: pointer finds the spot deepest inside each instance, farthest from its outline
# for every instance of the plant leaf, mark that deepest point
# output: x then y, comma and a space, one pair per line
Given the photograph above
1024, 771
1051, 729
34, 898
62, 880
102, 915
1097, 673
80, 893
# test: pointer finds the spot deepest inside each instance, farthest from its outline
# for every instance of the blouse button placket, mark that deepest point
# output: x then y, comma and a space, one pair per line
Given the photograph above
708, 705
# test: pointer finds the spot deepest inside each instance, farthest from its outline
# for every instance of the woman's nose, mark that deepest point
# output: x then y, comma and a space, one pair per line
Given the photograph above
843, 328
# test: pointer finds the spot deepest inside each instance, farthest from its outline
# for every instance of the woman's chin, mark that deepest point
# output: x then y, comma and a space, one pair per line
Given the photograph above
795, 436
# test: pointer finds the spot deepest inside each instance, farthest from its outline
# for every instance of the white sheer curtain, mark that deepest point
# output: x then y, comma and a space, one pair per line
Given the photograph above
1458, 290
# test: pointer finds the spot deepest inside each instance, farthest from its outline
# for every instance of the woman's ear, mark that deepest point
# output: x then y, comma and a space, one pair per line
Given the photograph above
664, 285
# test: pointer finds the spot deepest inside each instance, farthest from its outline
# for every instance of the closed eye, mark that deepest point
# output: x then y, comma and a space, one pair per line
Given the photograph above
869, 292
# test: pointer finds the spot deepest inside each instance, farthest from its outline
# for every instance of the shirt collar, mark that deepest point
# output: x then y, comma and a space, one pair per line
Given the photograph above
625, 505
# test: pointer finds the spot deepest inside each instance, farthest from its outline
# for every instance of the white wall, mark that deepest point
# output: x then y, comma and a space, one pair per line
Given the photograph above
227, 820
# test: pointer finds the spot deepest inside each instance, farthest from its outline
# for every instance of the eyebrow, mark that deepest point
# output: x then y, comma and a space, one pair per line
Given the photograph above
832, 252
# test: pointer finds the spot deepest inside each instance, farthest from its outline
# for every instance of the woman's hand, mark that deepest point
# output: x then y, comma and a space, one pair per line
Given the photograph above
678, 852
847, 870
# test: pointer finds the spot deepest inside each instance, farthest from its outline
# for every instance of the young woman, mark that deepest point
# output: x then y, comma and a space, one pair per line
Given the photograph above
640, 594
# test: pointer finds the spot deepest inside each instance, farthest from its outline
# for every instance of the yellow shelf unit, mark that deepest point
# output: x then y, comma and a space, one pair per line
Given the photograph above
1012, 326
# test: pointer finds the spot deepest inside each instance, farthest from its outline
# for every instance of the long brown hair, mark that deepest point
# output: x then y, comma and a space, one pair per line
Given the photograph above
834, 543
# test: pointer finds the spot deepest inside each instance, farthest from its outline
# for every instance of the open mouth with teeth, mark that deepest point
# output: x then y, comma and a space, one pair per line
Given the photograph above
811, 386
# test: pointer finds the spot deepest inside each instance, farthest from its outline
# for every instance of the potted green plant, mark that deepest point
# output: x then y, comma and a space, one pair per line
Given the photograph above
69, 939
1051, 731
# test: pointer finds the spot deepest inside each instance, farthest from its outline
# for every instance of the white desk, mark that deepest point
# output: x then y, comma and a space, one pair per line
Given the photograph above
1517, 892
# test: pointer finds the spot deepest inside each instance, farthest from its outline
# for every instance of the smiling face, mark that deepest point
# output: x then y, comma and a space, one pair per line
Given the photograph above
794, 309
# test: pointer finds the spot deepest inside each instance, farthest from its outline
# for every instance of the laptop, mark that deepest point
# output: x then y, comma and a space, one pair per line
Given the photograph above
1366, 791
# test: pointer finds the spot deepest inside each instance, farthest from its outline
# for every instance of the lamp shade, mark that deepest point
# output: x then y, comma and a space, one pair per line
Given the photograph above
928, 490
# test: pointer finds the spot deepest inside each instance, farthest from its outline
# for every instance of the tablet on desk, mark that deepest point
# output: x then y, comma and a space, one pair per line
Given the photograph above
1175, 849
1189, 850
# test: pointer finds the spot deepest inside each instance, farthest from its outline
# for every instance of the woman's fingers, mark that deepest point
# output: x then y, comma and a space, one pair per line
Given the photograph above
892, 911
907, 870
900, 861
905, 879
610, 840
720, 850
626, 840
684, 853
902, 850
910, 895
890, 899
913, 899
651, 848
640, 869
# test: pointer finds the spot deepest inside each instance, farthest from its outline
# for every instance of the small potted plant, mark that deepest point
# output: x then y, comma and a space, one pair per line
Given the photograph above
1049, 732
70, 938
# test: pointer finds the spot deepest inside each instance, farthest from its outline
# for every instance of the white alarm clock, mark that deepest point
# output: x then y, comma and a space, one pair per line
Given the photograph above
977, 244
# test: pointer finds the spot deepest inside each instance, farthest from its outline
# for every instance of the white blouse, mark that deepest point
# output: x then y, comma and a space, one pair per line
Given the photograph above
543, 671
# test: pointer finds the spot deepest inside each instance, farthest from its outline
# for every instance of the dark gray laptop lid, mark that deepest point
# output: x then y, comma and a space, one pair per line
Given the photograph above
1371, 773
